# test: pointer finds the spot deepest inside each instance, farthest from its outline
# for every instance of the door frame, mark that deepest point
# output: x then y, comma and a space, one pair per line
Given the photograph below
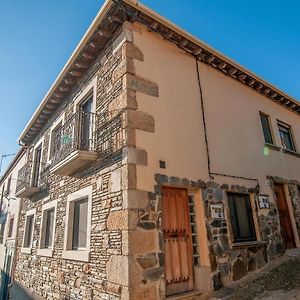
190, 238
290, 209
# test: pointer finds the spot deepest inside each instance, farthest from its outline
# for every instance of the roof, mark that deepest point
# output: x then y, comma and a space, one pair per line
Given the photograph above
112, 14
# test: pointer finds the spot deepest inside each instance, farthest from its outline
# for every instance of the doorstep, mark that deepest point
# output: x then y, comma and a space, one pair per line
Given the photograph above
193, 295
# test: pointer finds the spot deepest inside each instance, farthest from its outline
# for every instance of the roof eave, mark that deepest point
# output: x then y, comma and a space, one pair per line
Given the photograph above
104, 9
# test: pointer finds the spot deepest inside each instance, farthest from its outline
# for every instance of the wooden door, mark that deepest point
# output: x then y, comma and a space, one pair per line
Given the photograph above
284, 216
178, 243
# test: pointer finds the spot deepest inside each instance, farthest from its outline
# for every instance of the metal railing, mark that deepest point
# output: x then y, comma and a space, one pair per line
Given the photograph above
101, 133
24, 176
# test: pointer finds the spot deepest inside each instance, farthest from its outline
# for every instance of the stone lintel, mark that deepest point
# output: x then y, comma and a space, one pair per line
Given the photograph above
139, 120
140, 85
132, 155
135, 199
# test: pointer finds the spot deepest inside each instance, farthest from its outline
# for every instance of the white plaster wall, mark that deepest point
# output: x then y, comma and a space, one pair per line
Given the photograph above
235, 135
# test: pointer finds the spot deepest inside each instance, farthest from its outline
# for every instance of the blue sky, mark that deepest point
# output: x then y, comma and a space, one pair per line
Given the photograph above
37, 37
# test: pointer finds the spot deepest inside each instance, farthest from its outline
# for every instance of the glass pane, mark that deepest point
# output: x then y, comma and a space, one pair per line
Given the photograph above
11, 226
241, 217
49, 228
286, 138
266, 129
80, 224
28, 231
2, 233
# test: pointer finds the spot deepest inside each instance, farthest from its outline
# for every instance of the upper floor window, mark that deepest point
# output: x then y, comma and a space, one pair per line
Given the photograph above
265, 123
286, 136
55, 142
8, 186
10, 228
37, 160
241, 217
2, 227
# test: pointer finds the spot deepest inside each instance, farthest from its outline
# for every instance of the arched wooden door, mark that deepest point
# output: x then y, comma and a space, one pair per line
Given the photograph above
178, 241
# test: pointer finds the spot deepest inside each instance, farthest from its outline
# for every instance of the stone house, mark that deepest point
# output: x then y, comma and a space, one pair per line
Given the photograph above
9, 216
157, 168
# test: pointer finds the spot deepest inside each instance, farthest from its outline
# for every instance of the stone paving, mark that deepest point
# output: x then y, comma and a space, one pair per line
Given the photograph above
279, 280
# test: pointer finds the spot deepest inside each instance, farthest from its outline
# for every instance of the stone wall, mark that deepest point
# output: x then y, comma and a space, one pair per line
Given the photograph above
227, 262
115, 200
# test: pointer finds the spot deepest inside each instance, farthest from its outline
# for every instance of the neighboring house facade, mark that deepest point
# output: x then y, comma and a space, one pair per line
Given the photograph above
156, 167
9, 215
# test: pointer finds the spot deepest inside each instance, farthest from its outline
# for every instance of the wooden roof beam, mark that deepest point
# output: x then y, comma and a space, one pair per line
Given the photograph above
75, 73
82, 65
104, 33
115, 19
89, 55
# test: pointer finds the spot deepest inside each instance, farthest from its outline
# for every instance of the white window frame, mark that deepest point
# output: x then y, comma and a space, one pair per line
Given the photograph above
61, 120
13, 228
29, 213
68, 252
37, 145
47, 251
91, 88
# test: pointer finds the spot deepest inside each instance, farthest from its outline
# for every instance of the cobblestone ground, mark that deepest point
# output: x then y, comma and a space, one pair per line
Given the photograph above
280, 280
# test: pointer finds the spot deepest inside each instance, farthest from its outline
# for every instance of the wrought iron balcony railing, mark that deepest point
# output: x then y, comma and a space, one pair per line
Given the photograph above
31, 179
76, 134
24, 177
99, 134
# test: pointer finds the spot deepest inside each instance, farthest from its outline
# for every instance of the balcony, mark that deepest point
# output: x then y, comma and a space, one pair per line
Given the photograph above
25, 185
85, 138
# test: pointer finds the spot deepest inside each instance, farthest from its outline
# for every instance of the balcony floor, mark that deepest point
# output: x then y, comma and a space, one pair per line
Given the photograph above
75, 162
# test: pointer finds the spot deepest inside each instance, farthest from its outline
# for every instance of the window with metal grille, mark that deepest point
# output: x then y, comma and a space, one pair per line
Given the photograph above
241, 217
265, 123
286, 137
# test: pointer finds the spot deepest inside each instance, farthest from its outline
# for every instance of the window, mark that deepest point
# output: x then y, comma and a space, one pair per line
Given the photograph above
11, 227
47, 229
37, 166
2, 228
1, 201
55, 140
241, 217
265, 123
8, 186
29, 223
86, 122
286, 136
78, 224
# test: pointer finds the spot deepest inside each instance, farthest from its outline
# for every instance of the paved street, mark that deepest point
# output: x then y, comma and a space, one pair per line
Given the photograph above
278, 280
